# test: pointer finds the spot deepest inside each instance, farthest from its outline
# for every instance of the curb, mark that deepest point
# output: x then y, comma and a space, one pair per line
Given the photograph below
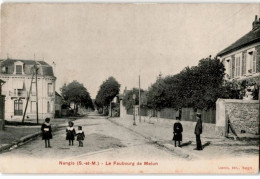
179, 151
23, 139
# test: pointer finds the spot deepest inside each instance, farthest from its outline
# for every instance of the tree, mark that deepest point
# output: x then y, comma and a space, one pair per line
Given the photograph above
197, 87
76, 93
128, 100
107, 91
157, 96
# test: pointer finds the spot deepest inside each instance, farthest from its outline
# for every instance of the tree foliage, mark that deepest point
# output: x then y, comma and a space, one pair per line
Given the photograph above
76, 93
196, 87
107, 91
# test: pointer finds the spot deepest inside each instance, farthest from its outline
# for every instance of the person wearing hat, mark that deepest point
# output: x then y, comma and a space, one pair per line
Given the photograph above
198, 131
177, 131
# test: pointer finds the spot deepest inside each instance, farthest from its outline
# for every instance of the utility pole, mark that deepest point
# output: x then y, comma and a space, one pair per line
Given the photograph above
37, 115
36, 84
134, 123
139, 100
28, 97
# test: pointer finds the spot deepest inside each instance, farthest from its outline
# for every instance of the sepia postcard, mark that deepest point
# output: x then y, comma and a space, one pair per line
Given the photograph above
128, 88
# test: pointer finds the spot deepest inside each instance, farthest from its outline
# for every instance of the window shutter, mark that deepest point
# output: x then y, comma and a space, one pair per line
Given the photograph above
254, 62
233, 67
244, 63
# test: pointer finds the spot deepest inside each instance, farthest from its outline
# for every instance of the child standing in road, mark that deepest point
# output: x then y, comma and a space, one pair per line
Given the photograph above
70, 133
80, 136
46, 132
177, 131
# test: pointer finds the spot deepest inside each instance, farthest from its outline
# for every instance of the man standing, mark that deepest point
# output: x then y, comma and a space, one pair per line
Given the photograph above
198, 131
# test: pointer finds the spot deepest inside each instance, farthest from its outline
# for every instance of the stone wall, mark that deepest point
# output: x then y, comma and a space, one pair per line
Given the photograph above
243, 115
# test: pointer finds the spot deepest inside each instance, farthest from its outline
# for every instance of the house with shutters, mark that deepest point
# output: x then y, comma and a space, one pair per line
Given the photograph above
242, 58
17, 75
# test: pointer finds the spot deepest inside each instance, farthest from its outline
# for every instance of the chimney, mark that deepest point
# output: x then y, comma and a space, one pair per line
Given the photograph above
256, 23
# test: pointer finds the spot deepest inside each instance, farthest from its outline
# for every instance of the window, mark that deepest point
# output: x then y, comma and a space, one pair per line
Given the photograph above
237, 74
50, 89
48, 107
33, 106
33, 90
232, 65
244, 63
19, 69
4, 69
254, 62
19, 93
18, 107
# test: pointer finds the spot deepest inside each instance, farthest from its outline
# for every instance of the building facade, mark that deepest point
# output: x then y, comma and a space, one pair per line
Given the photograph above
242, 58
18, 75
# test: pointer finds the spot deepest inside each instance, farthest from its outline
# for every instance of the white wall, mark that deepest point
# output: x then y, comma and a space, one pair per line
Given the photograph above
43, 97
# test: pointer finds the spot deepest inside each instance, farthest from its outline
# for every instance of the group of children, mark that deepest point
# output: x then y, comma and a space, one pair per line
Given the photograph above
70, 133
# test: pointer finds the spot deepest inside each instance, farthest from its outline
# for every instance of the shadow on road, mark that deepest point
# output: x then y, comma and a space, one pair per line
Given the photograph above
186, 144
205, 145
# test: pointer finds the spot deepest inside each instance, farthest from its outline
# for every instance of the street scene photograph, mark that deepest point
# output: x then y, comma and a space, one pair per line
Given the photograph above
98, 88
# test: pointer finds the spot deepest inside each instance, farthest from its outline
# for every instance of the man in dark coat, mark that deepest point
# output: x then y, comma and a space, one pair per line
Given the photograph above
198, 131
177, 131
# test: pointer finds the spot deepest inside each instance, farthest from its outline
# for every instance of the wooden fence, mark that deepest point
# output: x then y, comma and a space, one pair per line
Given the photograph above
188, 114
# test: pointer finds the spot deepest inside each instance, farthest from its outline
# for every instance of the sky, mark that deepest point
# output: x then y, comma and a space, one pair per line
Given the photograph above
90, 42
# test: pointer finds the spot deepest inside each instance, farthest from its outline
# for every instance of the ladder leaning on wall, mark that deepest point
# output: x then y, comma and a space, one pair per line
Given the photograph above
33, 81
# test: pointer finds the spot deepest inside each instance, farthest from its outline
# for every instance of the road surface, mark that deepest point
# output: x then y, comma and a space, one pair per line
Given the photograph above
109, 148
103, 138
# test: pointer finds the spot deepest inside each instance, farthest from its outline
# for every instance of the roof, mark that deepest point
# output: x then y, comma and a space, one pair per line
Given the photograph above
11, 61
42, 62
45, 68
250, 38
57, 94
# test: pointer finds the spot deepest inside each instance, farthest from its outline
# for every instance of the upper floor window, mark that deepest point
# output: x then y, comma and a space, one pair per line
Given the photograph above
18, 70
4, 69
50, 89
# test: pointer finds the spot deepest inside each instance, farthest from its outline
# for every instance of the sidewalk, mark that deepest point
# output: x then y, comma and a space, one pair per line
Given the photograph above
16, 134
215, 146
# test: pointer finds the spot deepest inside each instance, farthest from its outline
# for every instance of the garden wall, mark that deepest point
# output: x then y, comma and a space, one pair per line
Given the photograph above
243, 115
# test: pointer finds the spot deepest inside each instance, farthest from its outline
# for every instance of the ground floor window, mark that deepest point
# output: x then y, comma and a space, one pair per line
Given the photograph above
18, 107
48, 107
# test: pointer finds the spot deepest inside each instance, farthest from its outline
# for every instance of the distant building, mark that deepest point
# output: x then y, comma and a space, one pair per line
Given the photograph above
2, 107
242, 58
17, 75
58, 104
